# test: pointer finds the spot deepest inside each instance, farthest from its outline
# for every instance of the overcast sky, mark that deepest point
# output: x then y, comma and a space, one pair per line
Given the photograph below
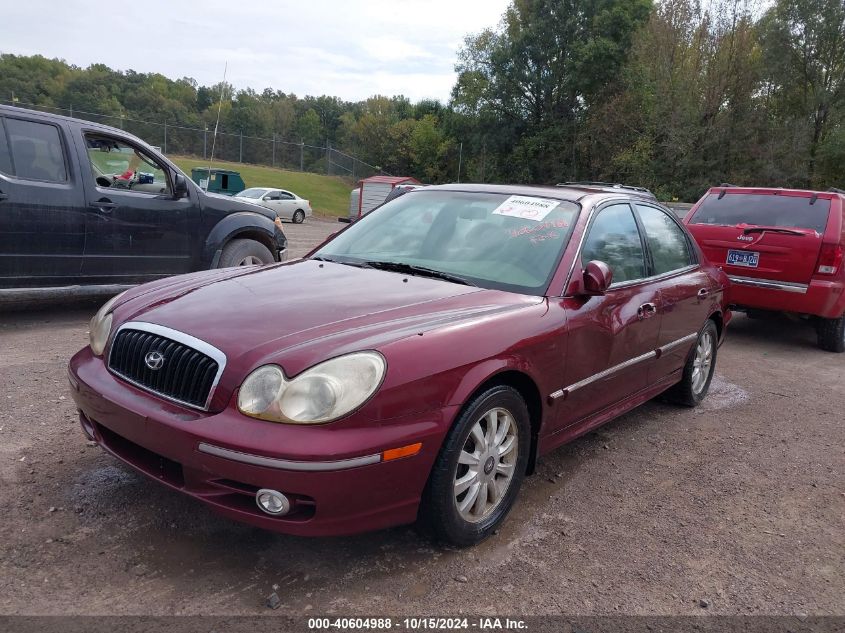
346, 48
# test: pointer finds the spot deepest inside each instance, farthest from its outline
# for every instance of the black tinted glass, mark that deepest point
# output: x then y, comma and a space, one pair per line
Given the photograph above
37, 149
666, 240
615, 240
5, 158
763, 210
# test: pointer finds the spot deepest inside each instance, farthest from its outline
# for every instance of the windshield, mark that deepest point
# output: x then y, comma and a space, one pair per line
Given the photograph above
490, 240
251, 193
763, 210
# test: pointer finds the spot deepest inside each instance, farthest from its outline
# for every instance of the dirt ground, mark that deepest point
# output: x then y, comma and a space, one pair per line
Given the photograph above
736, 507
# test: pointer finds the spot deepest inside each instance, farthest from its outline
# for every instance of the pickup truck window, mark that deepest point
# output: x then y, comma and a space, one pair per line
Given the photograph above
37, 151
116, 164
5, 156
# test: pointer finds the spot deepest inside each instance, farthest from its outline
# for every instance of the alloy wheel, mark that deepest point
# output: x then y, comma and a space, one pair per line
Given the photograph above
702, 362
486, 465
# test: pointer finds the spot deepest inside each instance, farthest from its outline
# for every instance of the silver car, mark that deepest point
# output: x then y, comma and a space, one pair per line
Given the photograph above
286, 204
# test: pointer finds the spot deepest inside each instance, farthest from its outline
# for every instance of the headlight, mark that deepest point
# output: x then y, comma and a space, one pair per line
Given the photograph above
323, 393
100, 326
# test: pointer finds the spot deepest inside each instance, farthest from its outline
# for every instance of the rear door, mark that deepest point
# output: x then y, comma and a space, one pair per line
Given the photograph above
42, 209
767, 235
135, 229
289, 204
685, 289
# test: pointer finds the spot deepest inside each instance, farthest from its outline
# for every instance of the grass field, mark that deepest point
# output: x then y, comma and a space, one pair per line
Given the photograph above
328, 195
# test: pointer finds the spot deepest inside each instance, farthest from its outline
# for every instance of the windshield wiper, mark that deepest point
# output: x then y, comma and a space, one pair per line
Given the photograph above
772, 229
357, 264
421, 271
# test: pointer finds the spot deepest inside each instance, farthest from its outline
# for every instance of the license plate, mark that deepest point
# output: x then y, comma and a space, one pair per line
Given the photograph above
749, 259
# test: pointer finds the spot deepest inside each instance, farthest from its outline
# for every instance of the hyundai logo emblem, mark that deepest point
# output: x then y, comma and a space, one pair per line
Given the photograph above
154, 360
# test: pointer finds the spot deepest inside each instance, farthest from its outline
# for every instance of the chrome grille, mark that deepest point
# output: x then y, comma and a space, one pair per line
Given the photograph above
185, 375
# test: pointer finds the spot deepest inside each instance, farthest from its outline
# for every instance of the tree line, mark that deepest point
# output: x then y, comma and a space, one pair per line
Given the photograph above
674, 95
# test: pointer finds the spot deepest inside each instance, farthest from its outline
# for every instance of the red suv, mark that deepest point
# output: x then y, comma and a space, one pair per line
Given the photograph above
782, 249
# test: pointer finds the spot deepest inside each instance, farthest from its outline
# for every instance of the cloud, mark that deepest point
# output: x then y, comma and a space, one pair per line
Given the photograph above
350, 49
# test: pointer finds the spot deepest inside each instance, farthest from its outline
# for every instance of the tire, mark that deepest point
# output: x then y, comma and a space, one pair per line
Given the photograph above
831, 334
440, 516
693, 387
299, 216
245, 252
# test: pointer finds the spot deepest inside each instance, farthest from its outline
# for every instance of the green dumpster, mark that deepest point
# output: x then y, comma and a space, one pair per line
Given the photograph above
223, 181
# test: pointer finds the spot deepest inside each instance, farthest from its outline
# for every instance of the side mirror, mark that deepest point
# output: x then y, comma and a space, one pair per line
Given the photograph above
597, 278
180, 187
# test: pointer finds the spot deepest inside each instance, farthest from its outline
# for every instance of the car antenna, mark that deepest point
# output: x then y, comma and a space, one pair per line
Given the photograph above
813, 199
216, 124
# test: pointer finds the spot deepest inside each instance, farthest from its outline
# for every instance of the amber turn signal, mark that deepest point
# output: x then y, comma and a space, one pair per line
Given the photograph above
404, 451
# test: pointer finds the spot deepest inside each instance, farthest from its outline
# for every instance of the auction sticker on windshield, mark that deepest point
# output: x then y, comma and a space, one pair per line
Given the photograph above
526, 207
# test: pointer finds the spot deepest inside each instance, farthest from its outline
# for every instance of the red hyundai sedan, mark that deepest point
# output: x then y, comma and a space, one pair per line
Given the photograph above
411, 368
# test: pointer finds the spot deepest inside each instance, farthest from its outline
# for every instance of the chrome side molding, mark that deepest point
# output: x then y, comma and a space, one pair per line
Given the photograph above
562, 393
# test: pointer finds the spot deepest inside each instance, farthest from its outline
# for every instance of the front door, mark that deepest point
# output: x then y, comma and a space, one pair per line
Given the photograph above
135, 229
612, 339
42, 208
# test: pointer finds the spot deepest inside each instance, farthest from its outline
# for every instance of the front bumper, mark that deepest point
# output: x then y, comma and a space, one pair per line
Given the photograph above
223, 459
823, 298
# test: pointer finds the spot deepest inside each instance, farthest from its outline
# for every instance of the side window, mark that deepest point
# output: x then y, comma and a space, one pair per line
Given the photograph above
5, 156
117, 165
36, 150
666, 240
274, 195
284, 195
615, 240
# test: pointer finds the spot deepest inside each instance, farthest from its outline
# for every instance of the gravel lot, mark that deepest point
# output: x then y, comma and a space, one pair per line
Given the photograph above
736, 507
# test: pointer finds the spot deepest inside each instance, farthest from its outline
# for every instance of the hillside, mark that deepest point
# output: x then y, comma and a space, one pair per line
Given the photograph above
329, 195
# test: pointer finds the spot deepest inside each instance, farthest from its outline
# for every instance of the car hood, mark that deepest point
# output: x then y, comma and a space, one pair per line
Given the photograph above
303, 312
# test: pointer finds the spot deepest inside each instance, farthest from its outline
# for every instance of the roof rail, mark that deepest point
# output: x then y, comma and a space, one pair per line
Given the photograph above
727, 184
608, 185
835, 190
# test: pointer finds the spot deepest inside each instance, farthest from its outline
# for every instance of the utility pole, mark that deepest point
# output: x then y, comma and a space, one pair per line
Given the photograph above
460, 160
204, 142
71, 110
301, 154
165, 136
241, 155
274, 149
328, 158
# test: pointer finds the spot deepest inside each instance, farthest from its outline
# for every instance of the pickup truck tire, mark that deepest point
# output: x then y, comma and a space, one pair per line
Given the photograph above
299, 216
831, 334
245, 252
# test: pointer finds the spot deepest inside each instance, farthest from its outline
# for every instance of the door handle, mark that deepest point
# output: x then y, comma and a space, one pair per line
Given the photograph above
703, 293
646, 310
103, 206
3, 196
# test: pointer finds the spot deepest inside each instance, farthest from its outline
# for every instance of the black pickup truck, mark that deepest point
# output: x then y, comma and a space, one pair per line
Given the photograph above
87, 205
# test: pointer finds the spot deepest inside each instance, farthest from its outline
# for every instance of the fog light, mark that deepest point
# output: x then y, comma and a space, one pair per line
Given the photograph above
272, 502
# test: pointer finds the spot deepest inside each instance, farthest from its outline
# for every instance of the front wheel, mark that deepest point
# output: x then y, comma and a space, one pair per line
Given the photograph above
479, 470
245, 252
831, 334
299, 216
698, 371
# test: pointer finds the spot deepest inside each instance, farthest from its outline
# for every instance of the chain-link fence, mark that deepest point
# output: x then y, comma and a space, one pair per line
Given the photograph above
181, 140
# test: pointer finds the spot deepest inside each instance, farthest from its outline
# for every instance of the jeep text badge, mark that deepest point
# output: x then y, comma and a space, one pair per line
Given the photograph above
154, 360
